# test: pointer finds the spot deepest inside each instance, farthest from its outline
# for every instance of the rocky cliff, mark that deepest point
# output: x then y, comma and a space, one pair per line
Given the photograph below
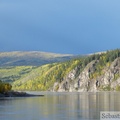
90, 79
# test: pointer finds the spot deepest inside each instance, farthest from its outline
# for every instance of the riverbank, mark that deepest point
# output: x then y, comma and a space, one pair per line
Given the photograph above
18, 94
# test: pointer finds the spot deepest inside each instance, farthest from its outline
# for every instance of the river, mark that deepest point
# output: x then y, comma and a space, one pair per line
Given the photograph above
60, 106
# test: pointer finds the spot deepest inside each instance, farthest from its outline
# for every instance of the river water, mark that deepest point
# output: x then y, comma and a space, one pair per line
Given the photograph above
60, 106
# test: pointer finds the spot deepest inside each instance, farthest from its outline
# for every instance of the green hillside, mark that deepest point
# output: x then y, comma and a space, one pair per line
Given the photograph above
43, 77
13, 73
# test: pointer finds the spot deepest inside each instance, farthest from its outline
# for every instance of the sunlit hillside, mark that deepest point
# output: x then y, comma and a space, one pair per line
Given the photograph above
43, 77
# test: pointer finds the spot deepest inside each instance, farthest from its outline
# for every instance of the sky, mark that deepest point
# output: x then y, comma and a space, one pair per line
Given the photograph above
60, 26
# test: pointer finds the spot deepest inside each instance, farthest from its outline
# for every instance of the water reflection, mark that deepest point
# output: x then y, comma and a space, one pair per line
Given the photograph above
60, 106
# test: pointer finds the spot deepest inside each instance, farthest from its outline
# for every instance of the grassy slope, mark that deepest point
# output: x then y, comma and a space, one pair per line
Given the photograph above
43, 78
13, 73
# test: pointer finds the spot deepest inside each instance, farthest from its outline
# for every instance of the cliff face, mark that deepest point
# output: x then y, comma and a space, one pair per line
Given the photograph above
81, 80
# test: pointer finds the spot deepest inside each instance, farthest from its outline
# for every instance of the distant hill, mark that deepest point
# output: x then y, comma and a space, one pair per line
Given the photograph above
32, 58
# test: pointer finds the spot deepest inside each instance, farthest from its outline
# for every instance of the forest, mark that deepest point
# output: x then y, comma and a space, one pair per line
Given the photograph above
5, 87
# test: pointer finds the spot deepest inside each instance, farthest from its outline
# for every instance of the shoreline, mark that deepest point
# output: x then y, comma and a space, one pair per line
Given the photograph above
18, 94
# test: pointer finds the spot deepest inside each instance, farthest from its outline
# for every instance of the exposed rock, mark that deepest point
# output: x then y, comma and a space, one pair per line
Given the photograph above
56, 86
109, 80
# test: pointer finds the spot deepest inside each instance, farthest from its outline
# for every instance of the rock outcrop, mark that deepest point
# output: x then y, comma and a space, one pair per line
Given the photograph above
109, 80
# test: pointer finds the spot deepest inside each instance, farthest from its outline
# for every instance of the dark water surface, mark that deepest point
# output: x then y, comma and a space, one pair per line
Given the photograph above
60, 106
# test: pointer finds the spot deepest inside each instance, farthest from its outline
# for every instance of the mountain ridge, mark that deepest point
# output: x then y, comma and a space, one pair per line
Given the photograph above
34, 58
41, 52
